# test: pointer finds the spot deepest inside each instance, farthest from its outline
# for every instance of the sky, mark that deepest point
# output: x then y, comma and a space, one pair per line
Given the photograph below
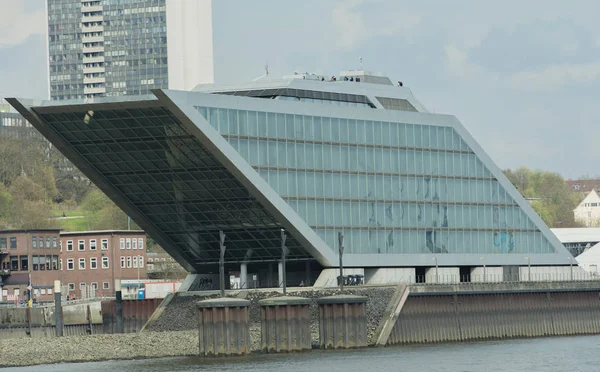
522, 76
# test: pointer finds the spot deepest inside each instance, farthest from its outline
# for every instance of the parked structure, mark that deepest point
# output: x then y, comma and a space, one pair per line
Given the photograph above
412, 191
113, 48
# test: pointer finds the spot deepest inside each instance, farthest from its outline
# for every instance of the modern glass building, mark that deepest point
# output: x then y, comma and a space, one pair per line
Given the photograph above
117, 47
407, 188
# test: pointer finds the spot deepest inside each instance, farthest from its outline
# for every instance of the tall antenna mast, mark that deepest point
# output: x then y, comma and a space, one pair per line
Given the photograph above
361, 63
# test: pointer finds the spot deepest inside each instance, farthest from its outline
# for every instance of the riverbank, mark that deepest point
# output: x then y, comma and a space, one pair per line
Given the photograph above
33, 351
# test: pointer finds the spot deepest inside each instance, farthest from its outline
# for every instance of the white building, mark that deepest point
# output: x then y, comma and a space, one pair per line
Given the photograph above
588, 211
589, 260
113, 48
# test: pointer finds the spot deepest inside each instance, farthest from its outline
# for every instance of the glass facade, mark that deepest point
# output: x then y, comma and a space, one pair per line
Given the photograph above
167, 175
391, 187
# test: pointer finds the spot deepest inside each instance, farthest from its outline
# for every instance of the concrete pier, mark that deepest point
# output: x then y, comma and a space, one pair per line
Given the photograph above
342, 322
285, 324
223, 327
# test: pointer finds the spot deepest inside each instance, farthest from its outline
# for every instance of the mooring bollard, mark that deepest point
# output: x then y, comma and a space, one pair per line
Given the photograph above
223, 327
58, 308
342, 322
120, 327
285, 324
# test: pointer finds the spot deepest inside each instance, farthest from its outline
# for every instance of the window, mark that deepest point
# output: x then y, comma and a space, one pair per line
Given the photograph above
24, 263
48, 262
49, 291
104, 245
17, 292
82, 286
48, 244
14, 263
92, 244
82, 263
69, 245
135, 262
81, 245
36, 263
13, 242
33, 242
42, 262
93, 263
141, 261
43, 291
140, 243
134, 244
105, 263
71, 265
41, 241
106, 285
122, 262
54, 242
55, 263
71, 286
3, 243
128, 243
129, 262
122, 243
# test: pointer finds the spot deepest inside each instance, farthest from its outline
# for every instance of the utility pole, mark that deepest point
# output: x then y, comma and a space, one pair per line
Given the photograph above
341, 251
222, 263
283, 254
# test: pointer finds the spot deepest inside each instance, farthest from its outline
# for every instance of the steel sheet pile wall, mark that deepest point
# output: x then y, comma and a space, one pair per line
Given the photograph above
135, 314
223, 327
342, 322
472, 316
285, 324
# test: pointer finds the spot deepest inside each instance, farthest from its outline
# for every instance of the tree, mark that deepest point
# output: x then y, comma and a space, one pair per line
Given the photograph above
102, 213
553, 200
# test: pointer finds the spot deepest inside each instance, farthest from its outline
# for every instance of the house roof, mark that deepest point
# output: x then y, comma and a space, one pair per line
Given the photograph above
583, 186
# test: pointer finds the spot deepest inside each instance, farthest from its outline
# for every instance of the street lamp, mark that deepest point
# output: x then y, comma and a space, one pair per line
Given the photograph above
437, 278
529, 267
484, 276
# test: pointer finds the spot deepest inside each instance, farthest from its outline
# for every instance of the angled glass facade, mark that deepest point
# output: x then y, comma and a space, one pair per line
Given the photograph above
391, 187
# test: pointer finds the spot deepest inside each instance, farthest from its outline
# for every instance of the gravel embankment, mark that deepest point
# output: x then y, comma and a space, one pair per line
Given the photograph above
181, 314
30, 351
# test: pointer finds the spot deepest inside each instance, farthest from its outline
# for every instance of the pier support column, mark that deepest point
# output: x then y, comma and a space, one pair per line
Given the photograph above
285, 324
119, 307
244, 276
223, 327
280, 278
342, 322
58, 308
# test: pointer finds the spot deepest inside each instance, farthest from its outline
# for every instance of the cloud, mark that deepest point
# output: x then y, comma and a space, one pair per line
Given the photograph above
17, 23
356, 21
554, 77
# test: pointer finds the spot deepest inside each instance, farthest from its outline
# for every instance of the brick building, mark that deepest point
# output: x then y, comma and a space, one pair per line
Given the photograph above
25, 252
87, 262
92, 260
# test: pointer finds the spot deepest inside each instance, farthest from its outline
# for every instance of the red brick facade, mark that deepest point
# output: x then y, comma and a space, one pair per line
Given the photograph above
80, 260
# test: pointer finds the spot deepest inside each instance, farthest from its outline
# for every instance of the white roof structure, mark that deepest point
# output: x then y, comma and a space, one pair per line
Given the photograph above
590, 259
577, 234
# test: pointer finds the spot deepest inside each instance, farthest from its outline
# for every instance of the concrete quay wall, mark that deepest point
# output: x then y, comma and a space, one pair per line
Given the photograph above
442, 313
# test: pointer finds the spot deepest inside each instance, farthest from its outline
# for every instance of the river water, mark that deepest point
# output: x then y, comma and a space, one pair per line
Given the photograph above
577, 353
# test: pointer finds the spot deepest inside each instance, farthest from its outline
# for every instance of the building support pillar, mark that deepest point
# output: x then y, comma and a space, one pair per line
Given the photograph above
244, 276
280, 274
58, 308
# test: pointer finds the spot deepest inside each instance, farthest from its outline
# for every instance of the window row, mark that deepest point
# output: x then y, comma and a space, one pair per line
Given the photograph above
389, 187
128, 262
4, 242
438, 242
44, 242
289, 126
81, 263
406, 215
44, 263
131, 243
357, 158
93, 245
92, 286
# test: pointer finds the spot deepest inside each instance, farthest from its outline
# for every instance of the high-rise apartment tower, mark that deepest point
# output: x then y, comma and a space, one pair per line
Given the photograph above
123, 47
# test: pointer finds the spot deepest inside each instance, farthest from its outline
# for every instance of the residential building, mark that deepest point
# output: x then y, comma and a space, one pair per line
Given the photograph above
310, 165
14, 125
584, 186
114, 47
92, 260
588, 211
26, 254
